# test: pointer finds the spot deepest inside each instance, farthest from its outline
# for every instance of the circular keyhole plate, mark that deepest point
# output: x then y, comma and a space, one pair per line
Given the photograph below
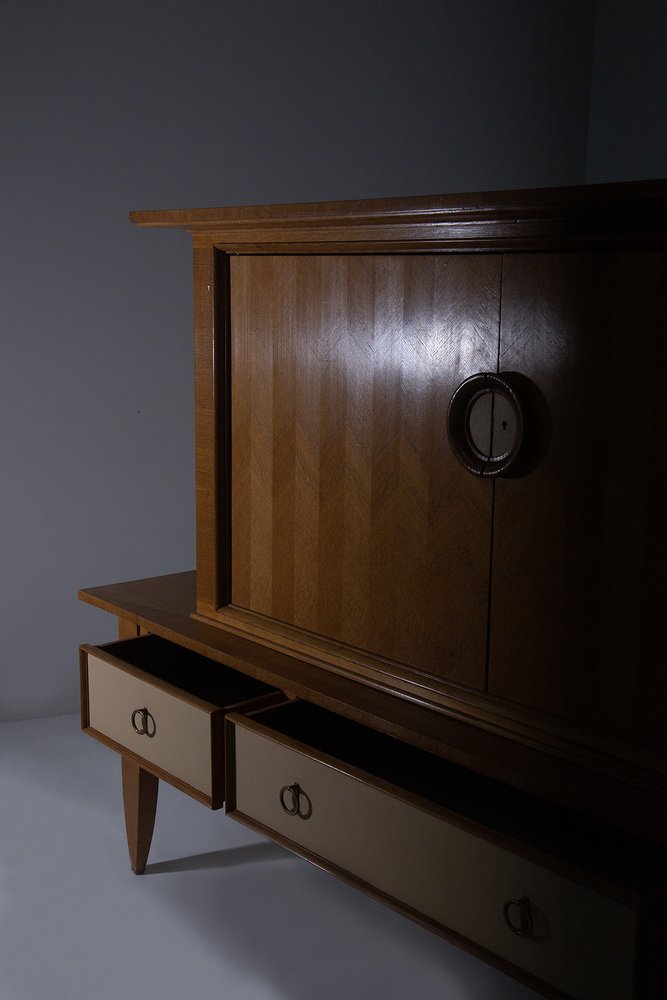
485, 424
491, 425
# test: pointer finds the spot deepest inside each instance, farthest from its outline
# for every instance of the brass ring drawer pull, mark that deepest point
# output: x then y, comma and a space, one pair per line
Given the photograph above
295, 802
146, 727
524, 926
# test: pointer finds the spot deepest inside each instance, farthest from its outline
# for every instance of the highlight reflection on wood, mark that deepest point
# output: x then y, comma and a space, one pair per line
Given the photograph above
345, 490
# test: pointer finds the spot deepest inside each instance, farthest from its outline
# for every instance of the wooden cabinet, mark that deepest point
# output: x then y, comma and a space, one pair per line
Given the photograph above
471, 566
334, 519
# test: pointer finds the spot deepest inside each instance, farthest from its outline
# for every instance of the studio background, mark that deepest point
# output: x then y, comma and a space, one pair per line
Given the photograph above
174, 104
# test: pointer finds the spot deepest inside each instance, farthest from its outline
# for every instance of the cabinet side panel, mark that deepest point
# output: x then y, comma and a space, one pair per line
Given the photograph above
345, 493
579, 553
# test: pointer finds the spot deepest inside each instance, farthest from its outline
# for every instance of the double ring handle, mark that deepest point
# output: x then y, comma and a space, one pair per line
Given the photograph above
143, 722
519, 916
295, 802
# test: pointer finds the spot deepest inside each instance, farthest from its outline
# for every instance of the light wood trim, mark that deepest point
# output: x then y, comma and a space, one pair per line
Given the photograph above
128, 630
465, 237
465, 244
140, 791
628, 214
529, 728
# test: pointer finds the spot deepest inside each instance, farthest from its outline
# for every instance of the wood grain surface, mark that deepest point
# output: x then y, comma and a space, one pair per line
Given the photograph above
579, 544
140, 793
347, 504
625, 215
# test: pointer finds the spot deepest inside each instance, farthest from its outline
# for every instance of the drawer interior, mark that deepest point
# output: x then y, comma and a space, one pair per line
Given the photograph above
187, 671
493, 808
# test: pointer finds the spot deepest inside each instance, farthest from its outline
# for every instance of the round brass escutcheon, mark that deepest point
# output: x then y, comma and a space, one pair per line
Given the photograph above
485, 424
518, 916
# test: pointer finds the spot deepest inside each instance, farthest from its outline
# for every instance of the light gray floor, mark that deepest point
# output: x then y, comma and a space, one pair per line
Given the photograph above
220, 912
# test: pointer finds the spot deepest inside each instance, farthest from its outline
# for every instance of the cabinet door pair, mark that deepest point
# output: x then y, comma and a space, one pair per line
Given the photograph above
352, 518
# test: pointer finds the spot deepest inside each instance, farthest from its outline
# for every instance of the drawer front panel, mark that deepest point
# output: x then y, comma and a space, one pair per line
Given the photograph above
182, 741
583, 942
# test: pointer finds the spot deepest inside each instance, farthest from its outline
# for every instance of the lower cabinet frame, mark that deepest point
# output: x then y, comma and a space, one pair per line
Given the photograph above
648, 900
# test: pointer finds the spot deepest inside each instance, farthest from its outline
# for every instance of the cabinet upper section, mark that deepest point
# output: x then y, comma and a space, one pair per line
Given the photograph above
337, 520
611, 216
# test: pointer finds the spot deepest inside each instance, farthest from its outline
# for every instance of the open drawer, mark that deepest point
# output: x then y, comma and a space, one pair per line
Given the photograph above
164, 706
496, 871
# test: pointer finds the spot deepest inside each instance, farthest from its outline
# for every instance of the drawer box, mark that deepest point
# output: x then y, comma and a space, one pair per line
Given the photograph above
478, 862
164, 706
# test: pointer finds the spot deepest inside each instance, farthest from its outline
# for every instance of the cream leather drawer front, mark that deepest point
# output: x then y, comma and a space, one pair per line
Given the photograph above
165, 706
181, 744
582, 942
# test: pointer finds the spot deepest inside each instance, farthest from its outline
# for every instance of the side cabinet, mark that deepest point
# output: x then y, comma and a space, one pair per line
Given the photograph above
423, 645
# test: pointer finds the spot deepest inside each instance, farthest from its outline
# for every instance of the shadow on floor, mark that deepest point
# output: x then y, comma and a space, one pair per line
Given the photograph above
230, 857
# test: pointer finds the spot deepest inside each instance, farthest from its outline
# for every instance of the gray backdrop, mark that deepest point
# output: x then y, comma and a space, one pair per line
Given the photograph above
184, 103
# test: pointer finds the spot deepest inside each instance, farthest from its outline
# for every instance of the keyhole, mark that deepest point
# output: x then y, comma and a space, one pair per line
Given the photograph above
491, 425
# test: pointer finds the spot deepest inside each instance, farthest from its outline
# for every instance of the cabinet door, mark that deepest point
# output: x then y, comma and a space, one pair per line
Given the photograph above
579, 544
350, 518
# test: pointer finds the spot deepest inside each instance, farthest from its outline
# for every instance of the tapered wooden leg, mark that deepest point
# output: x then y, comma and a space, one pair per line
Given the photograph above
140, 801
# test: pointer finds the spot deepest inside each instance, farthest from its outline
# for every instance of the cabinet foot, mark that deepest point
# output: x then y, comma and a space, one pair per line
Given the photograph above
140, 790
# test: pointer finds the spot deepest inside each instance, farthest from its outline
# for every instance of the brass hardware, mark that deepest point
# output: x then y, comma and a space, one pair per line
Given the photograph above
147, 727
525, 926
486, 424
297, 797
294, 792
